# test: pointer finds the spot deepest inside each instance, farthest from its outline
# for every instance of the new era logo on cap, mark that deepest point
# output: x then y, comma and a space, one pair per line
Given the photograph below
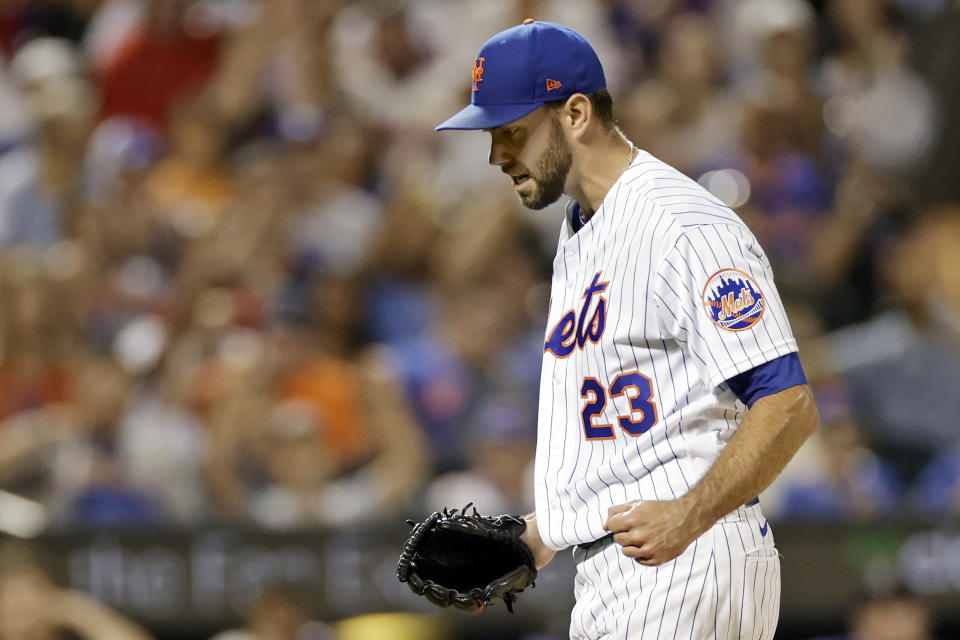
518, 70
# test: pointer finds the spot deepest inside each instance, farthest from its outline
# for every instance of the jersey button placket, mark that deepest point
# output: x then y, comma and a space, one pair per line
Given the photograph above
559, 397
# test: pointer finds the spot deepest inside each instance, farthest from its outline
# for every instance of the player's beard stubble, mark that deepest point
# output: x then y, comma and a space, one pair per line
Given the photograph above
550, 172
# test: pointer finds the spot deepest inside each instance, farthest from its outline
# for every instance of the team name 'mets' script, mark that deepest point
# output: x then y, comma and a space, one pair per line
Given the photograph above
574, 330
730, 307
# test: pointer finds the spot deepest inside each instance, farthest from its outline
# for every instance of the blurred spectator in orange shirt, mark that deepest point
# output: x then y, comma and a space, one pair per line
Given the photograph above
34, 369
190, 188
329, 389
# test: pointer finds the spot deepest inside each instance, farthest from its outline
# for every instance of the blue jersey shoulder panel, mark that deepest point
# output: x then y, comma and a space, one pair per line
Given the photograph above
768, 378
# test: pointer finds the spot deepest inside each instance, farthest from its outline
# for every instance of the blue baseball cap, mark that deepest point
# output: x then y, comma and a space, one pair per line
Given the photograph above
521, 68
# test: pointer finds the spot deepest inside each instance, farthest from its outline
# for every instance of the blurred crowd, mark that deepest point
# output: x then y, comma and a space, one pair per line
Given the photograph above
33, 606
243, 280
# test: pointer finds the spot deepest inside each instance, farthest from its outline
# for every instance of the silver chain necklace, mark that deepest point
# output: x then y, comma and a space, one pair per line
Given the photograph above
630, 157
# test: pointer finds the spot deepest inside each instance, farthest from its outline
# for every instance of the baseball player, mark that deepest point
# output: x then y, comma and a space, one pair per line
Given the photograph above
671, 393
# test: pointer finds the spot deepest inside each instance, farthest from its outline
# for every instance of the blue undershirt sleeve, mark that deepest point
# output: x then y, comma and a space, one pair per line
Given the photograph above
768, 378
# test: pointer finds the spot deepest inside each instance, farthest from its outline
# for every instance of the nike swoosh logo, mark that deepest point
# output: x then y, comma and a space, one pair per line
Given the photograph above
763, 529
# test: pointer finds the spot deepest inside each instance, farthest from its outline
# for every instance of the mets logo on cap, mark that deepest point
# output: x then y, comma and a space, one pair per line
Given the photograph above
733, 300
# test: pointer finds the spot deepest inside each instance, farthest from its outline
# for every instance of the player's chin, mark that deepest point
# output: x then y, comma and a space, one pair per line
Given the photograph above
535, 199
530, 197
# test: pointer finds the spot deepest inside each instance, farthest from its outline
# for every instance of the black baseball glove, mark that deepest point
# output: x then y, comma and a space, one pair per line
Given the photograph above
467, 560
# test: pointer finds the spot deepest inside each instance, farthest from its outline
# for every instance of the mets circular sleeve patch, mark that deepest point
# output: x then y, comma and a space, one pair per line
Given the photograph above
732, 300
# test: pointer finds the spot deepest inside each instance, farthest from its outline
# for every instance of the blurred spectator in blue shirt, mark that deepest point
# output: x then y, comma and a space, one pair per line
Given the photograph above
937, 489
855, 482
902, 366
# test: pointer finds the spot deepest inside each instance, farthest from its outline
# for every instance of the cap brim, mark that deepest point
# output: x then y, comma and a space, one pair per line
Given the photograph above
487, 116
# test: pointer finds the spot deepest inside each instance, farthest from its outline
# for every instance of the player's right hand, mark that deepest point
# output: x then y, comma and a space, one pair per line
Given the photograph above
652, 532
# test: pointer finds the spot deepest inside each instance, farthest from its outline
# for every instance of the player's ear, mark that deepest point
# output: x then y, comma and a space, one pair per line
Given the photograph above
576, 115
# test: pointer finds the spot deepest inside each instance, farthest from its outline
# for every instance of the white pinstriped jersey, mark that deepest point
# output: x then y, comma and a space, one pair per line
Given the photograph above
662, 296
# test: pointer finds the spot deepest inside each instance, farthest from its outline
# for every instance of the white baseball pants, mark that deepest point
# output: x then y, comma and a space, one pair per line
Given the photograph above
724, 586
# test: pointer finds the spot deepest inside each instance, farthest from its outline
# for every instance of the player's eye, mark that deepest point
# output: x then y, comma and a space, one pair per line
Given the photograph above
512, 135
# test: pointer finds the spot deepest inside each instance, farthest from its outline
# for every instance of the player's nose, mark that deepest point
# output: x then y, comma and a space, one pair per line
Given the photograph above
498, 156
